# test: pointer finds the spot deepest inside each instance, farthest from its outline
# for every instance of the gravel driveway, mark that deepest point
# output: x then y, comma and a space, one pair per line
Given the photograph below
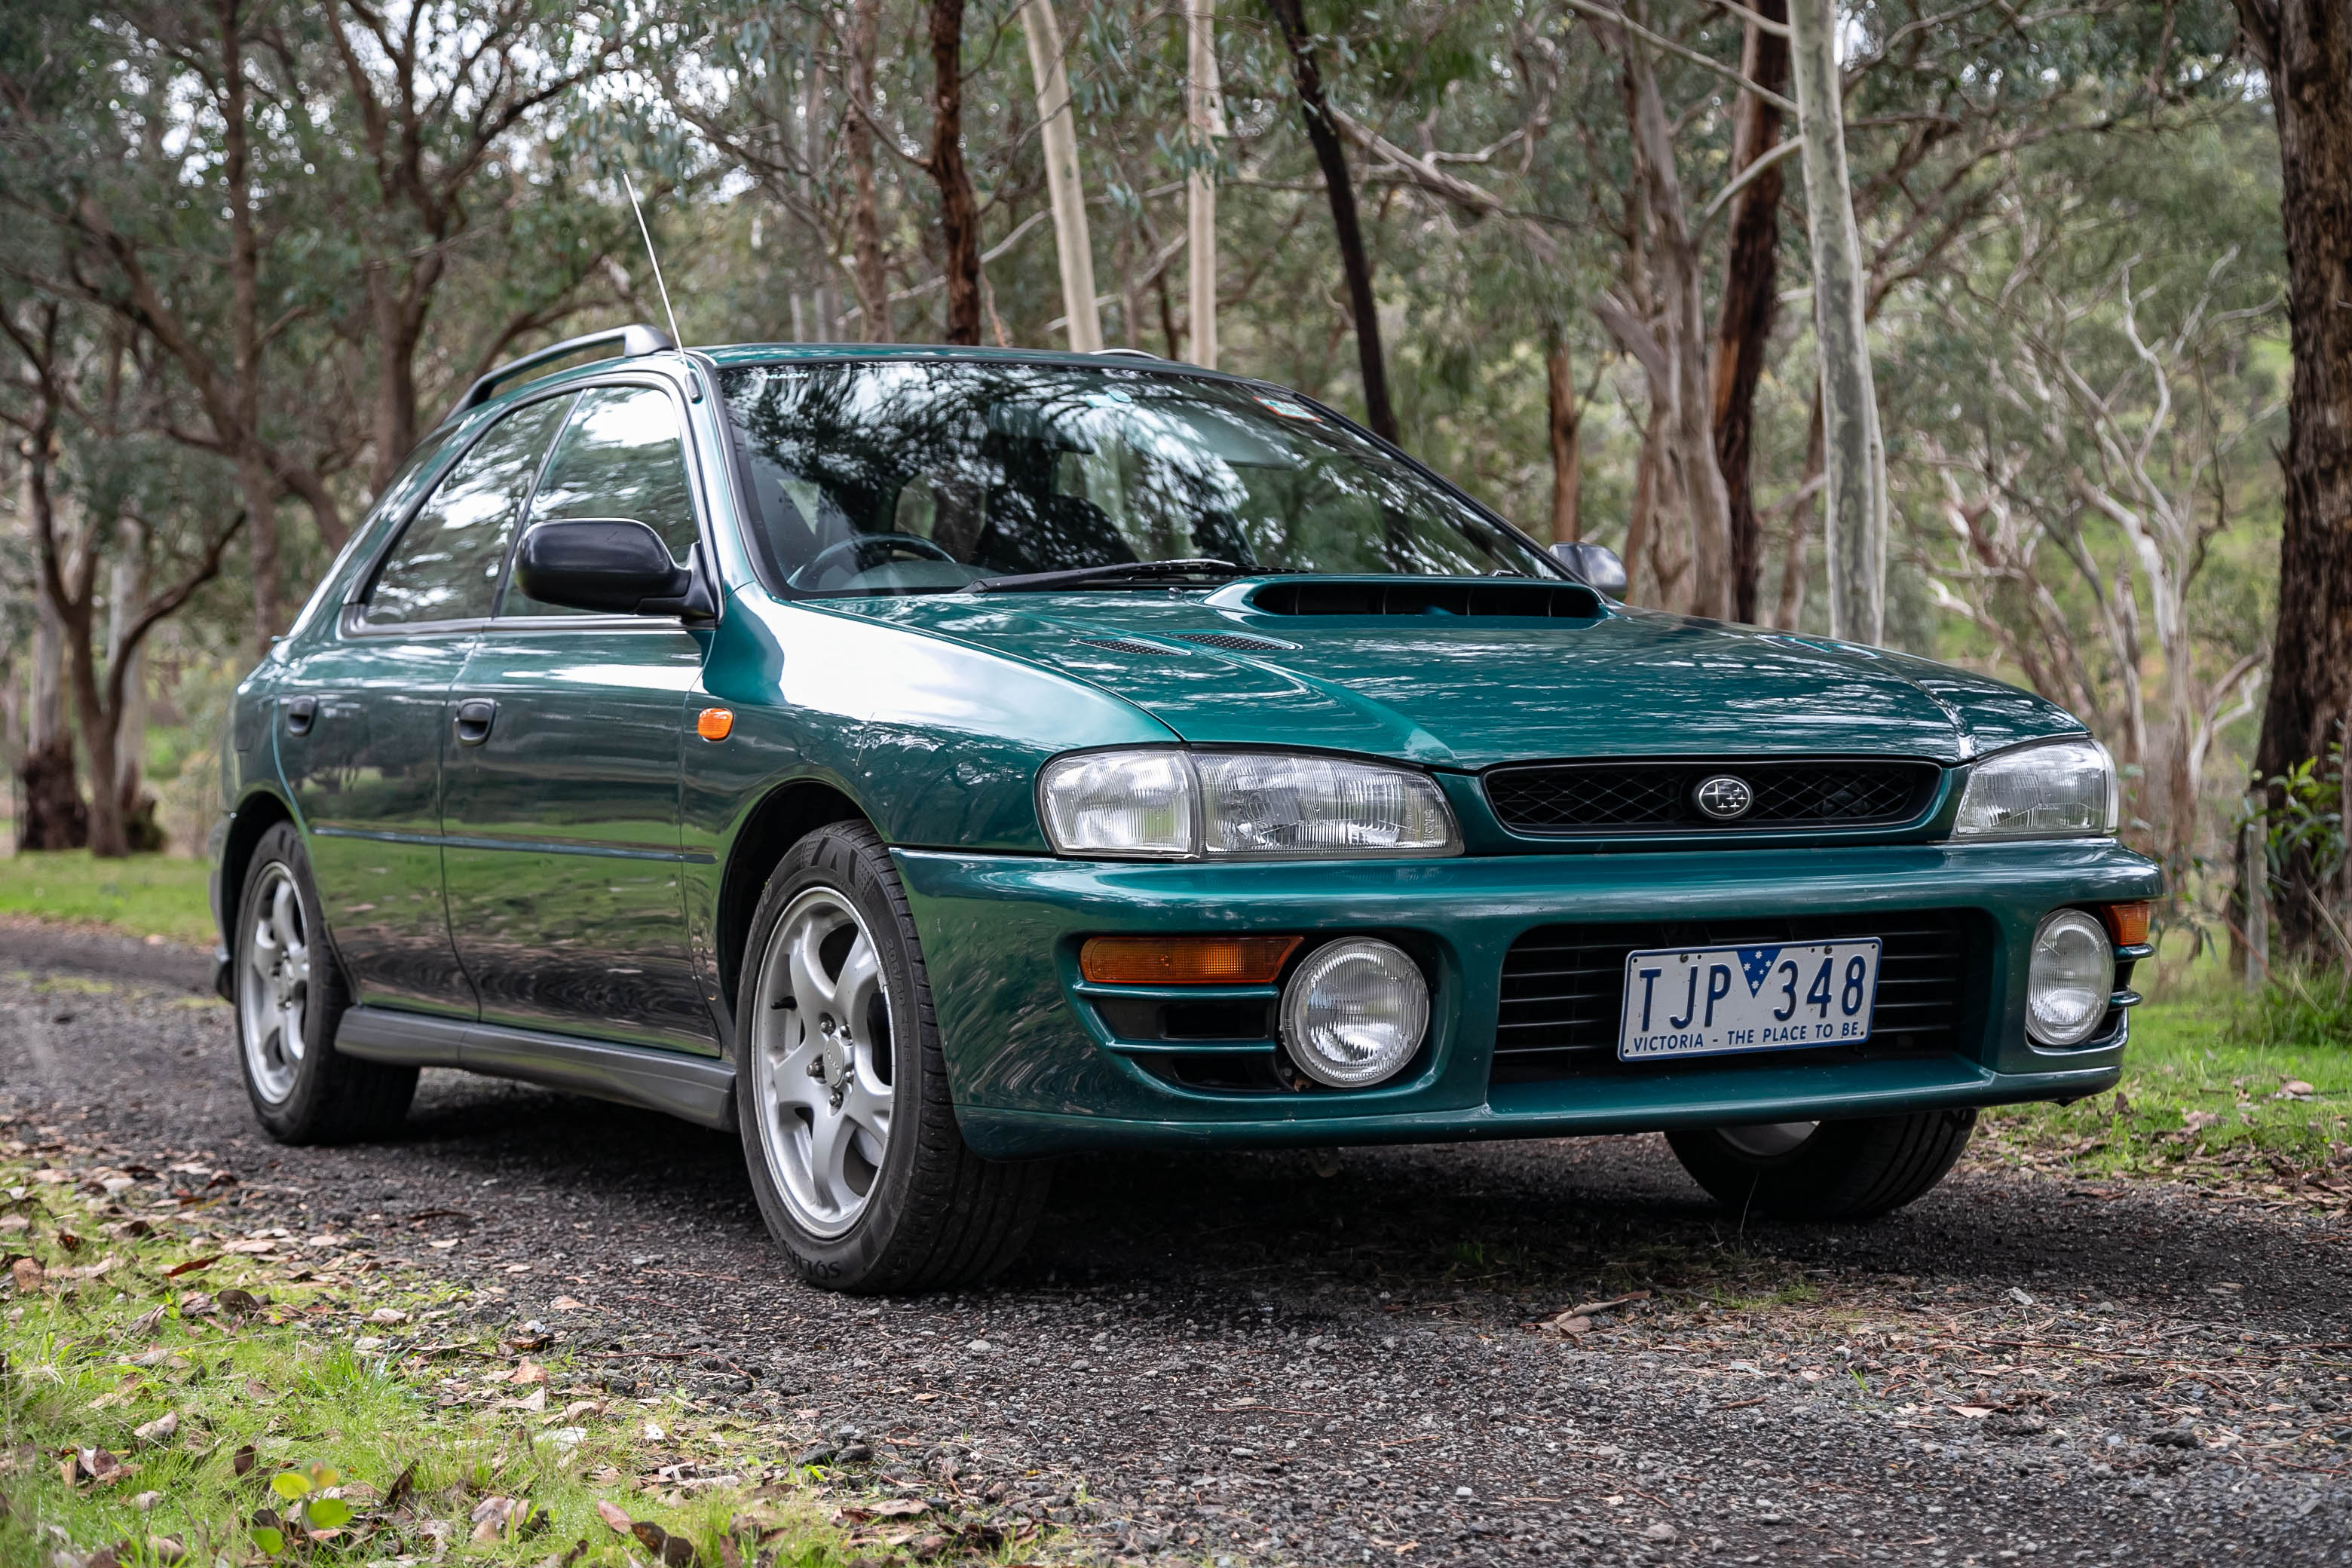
1336, 1360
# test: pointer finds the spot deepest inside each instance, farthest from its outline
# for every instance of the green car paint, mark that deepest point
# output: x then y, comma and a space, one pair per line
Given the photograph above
582, 870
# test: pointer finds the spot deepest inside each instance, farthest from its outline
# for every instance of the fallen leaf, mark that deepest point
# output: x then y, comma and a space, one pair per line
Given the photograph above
148, 1321
27, 1273
191, 1266
145, 1501
238, 1303
165, 1548
1972, 1411
534, 1402
528, 1372
2293, 1088
387, 1315
1588, 1307
611, 1514
490, 1516
901, 1507
566, 1304
400, 1488
159, 1430
241, 1462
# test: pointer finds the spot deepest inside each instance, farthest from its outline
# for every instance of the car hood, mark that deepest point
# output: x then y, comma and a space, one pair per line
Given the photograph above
1469, 692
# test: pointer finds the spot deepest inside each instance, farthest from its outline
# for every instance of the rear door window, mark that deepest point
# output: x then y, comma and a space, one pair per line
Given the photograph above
446, 564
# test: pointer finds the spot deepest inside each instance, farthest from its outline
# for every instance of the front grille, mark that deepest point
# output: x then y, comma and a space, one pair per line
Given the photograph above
1555, 799
1563, 989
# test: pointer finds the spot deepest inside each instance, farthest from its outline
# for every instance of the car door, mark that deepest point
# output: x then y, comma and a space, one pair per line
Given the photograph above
564, 857
359, 722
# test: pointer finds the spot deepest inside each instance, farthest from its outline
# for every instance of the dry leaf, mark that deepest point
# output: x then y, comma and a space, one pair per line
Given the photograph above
191, 1266
566, 1304
387, 1315
28, 1274
528, 1372
611, 1514
159, 1430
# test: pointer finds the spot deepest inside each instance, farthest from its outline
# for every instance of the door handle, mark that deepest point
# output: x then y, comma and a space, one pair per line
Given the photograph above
474, 719
301, 712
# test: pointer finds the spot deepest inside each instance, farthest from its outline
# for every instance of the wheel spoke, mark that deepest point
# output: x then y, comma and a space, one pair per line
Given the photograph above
854, 988
289, 1033
828, 1160
285, 917
812, 989
867, 1106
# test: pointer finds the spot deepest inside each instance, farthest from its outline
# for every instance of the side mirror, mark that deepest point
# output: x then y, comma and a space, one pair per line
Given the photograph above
1594, 565
609, 564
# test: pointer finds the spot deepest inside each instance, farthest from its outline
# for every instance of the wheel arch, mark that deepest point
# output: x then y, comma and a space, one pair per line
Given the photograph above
261, 810
784, 815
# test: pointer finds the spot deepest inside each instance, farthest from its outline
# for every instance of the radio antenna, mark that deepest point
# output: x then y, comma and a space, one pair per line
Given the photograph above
630, 186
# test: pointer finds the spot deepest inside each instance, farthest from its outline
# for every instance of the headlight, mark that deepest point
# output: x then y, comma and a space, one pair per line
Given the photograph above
2055, 791
1165, 803
2069, 979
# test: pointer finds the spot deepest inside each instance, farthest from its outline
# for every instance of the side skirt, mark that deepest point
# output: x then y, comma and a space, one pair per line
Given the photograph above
694, 1089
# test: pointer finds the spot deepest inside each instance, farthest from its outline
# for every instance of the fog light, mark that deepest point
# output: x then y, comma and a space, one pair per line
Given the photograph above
2070, 979
1354, 1013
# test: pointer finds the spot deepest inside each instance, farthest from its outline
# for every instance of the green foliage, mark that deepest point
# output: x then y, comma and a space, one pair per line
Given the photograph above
148, 895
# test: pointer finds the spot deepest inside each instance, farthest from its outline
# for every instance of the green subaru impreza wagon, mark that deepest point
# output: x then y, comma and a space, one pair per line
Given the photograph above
925, 761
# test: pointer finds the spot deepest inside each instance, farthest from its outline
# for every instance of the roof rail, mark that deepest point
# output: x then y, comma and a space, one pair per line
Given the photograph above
1135, 353
635, 340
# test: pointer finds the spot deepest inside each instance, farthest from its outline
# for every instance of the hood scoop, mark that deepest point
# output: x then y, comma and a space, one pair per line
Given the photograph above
1129, 646
1438, 599
1237, 642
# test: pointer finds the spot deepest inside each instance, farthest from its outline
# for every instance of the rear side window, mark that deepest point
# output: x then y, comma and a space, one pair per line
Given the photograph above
619, 455
445, 565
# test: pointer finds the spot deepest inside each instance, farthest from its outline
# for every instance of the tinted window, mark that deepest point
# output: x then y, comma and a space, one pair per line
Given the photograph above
910, 477
618, 456
445, 566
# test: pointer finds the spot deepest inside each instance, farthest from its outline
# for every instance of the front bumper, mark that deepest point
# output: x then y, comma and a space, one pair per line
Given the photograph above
1035, 1071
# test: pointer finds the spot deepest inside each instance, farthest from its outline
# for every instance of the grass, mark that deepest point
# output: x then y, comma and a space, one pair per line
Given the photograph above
157, 895
255, 1409
2216, 1084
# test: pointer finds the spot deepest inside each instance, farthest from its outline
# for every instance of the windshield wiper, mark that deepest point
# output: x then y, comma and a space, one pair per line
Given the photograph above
1123, 571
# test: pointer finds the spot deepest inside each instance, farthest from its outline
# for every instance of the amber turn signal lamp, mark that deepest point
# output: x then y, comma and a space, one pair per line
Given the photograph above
1185, 960
715, 723
2127, 923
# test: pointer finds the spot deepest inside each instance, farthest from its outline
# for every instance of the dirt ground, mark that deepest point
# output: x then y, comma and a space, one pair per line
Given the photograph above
1353, 1358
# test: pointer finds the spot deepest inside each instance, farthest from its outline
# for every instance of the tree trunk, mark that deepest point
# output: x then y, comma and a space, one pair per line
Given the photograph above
126, 597
867, 265
1354, 262
1058, 134
2307, 48
1856, 452
54, 817
1204, 112
395, 388
1744, 316
1562, 419
260, 494
958, 216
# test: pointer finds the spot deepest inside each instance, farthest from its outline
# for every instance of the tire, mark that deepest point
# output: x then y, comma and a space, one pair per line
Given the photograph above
289, 995
849, 1129
1836, 1171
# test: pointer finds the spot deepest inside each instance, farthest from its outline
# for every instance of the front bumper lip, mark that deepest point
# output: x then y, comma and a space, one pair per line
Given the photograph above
1572, 1107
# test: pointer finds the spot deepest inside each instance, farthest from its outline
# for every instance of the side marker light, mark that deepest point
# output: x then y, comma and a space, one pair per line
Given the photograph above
715, 723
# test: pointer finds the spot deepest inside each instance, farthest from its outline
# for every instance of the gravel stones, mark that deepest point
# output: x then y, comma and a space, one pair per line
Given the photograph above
1310, 1371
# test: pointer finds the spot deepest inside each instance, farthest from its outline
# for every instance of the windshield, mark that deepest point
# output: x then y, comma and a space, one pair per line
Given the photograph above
905, 477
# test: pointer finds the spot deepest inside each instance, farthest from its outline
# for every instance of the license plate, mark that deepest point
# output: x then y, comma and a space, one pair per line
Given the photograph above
1707, 1002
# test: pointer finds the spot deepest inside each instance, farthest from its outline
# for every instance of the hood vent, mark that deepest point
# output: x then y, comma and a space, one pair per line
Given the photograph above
1439, 599
1235, 642
1122, 645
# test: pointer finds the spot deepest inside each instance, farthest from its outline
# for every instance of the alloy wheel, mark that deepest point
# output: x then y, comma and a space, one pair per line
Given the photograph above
821, 1066
1769, 1140
274, 984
